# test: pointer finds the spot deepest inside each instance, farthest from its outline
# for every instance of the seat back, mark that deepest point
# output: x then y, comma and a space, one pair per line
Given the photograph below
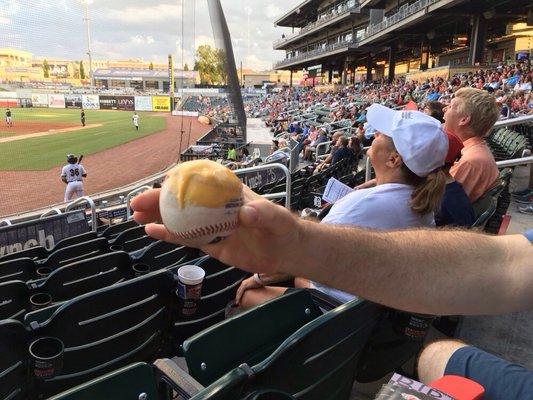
211, 309
14, 297
84, 237
319, 360
84, 276
135, 232
249, 337
164, 255
109, 328
13, 360
130, 382
484, 208
22, 269
116, 229
35, 253
76, 252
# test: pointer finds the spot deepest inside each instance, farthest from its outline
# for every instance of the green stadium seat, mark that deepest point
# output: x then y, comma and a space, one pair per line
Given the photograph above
22, 269
13, 360
162, 254
248, 337
115, 230
318, 361
14, 300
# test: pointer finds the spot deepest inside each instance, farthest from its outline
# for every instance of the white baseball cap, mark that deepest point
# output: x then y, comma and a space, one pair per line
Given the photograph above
418, 138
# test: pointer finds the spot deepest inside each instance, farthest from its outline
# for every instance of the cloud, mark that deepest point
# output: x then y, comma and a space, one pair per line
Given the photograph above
142, 15
139, 39
4, 20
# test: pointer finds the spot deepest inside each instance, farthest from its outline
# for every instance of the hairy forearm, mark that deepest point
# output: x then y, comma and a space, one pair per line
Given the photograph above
425, 271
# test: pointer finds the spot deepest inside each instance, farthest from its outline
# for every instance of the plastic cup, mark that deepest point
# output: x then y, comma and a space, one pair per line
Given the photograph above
46, 357
189, 292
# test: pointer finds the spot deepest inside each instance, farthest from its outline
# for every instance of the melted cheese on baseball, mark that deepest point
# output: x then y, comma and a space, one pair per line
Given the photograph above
203, 183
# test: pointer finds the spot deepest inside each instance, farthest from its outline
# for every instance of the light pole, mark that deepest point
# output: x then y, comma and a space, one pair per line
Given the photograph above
87, 24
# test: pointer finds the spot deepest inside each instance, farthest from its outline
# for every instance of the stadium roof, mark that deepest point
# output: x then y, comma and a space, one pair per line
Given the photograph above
300, 15
118, 73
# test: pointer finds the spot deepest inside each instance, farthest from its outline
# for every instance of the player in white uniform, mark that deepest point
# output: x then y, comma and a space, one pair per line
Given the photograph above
135, 120
72, 174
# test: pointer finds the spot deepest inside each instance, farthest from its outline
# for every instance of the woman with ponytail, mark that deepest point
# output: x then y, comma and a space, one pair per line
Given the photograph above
408, 154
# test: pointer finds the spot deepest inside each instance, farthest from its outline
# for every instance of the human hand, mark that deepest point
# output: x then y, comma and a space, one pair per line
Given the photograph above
249, 283
266, 237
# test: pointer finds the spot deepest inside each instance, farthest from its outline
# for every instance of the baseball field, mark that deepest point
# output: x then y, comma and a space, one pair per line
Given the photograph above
40, 137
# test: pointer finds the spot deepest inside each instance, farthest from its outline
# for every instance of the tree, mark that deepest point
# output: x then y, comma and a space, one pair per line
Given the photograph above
46, 69
211, 65
82, 70
186, 67
151, 66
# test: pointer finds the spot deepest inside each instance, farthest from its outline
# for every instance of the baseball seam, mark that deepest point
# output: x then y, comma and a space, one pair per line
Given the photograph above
207, 230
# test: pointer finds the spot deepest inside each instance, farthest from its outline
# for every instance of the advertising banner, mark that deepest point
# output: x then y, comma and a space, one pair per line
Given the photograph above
46, 232
143, 103
39, 100
90, 101
56, 100
160, 103
73, 100
108, 103
126, 103
8, 95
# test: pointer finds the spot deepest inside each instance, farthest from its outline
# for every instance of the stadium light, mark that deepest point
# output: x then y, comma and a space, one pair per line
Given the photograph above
87, 24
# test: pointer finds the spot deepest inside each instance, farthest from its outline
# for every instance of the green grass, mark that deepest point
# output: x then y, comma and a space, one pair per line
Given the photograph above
45, 152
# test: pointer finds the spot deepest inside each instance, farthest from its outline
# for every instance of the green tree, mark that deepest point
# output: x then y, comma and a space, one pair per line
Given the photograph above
82, 70
151, 66
211, 65
46, 69
186, 67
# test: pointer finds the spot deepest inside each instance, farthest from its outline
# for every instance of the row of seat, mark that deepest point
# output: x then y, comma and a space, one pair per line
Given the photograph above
285, 345
506, 144
101, 330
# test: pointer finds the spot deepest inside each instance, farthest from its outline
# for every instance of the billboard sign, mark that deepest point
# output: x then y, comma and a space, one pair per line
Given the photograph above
126, 103
160, 103
46, 232
39, 100
108, 103
73, 100
143, 103
90, 101
56, 101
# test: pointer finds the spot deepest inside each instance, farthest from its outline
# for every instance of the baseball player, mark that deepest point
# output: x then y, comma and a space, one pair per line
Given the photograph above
72, 174
82, 117
135, 120
9, 119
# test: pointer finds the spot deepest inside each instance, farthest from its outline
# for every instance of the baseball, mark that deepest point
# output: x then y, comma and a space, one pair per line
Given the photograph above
200, 202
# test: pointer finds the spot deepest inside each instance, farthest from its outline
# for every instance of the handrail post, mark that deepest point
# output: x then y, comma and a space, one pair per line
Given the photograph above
90, 202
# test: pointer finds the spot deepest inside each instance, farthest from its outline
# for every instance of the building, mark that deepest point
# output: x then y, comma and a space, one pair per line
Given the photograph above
143, 79
345, 40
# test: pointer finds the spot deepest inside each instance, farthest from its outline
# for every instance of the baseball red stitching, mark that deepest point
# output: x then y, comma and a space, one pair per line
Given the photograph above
207, 230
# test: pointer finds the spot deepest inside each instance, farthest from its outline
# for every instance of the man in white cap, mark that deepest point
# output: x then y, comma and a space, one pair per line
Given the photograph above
409, 146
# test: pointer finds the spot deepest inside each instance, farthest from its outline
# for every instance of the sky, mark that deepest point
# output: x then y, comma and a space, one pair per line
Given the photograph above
141, 29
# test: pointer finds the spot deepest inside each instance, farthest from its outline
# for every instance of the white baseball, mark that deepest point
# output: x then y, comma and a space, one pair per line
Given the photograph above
200, 202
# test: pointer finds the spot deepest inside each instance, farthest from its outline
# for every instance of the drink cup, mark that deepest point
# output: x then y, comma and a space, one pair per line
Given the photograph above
190, 279
46, 357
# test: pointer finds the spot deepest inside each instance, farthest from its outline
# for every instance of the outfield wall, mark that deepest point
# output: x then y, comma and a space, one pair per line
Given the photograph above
86, 101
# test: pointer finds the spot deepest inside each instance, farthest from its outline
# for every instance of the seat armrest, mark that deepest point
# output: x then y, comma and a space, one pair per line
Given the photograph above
169, 373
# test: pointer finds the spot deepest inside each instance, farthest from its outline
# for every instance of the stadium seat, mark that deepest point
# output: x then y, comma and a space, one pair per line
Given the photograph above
84, 237
13, 360
114, 230
22, 269
84, 276
14, 300
108, 328
248, 337
165, 255
131, 239
318, 361
34, 253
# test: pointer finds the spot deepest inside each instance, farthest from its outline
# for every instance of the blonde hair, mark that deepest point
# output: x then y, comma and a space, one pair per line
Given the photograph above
481, 107
427, 193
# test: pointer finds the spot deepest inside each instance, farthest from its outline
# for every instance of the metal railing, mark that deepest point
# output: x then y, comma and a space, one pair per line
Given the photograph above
85, 200
403, 12
345, 9
52, 211
514, 121
131, 195
325, 49
5, 222
514, 162
286, 193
